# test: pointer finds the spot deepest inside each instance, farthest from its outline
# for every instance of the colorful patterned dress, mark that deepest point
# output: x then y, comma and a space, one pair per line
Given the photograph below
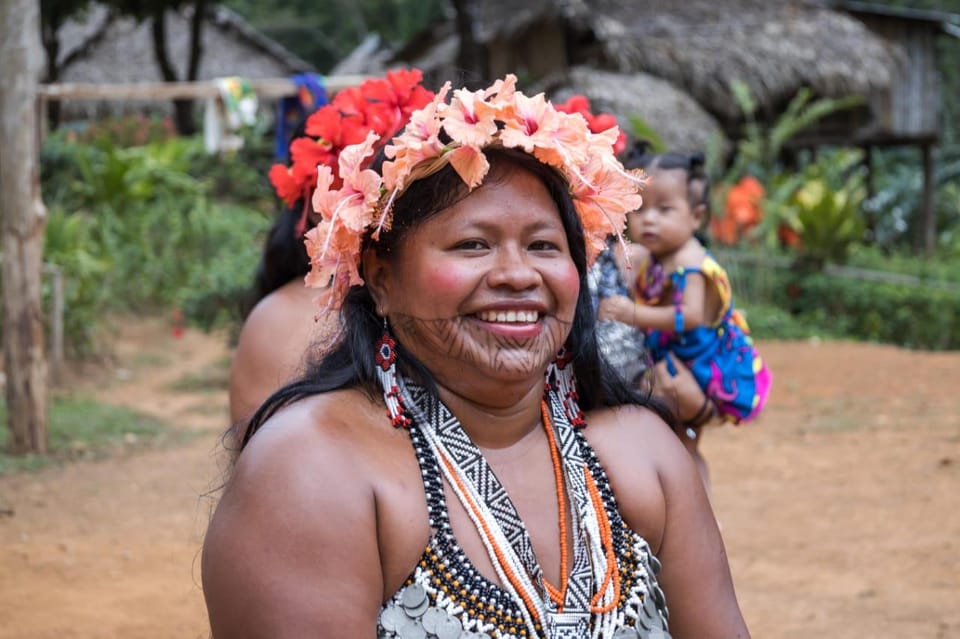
721, 356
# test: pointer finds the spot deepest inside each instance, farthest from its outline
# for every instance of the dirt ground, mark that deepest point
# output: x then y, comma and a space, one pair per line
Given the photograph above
839, 508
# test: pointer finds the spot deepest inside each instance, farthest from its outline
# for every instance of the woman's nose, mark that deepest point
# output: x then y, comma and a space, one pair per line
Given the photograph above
513, 268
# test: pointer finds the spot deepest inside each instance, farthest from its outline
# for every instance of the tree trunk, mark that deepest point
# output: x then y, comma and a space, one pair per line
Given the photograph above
470, 57
50, 38
24, 220
196, 39
183, 109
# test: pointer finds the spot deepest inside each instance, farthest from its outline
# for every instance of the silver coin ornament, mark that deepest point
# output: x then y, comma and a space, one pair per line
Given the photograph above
432, 618
413, 596
413, 629
449, 628
391, 618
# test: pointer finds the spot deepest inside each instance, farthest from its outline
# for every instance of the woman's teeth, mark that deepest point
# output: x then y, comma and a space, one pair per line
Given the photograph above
520, 317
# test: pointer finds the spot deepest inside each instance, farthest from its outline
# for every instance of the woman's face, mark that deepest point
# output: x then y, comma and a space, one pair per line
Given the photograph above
486, 290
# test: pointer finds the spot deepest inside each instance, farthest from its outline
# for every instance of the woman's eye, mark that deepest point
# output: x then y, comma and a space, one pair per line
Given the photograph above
471, 245
543, 245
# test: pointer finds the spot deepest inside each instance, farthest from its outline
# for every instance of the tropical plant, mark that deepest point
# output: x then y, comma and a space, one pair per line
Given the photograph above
758, 152
642, 130
819, 206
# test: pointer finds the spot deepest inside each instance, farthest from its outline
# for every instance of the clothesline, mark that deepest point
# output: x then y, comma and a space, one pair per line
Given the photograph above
264, 87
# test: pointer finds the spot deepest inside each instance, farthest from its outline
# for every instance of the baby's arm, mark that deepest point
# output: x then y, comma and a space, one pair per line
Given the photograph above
664, 318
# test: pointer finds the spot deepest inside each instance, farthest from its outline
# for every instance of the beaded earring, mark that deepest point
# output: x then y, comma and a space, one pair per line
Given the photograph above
565, 384
386, 360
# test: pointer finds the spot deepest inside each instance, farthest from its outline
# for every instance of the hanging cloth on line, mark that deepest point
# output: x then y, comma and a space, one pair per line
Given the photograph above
225, 115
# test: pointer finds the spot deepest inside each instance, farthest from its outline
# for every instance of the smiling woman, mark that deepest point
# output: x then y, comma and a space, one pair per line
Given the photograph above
481, 504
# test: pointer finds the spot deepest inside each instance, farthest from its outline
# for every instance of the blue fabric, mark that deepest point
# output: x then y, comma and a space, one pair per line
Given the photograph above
721, 357
292, 111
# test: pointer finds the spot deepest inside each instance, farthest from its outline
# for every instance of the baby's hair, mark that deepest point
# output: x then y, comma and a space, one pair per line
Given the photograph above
642, 156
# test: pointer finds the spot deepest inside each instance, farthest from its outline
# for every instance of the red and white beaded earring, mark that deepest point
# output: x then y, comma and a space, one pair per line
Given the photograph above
565, 385
386, 360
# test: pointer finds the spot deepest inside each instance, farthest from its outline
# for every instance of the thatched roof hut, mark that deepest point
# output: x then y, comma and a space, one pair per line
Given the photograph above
681, 123
101, 48
775, 46
698, 46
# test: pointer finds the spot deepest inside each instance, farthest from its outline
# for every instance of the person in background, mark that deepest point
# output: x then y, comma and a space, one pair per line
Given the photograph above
277, 332
462, 461
684, 300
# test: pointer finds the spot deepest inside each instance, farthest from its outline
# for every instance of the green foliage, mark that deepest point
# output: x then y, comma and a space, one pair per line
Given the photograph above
893, 211
642, 130
324, 33
213, 292
758, 152
239, 177
902, 313
134, 229
822, 204
82, 428
772, 322
945, 270
69, 245
911, 302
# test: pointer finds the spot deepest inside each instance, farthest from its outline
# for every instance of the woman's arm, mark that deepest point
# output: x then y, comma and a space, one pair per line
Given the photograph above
292, 548
696, 576
661, 496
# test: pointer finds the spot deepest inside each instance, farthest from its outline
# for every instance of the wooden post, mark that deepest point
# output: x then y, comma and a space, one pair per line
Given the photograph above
929, 226
24, 221
57, 308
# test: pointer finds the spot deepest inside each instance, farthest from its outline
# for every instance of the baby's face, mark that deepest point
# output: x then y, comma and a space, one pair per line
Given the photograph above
666, 220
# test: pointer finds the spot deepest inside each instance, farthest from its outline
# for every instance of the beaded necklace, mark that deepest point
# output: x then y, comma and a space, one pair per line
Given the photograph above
585, 601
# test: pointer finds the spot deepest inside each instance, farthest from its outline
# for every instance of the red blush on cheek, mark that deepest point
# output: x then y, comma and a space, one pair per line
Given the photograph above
442, 279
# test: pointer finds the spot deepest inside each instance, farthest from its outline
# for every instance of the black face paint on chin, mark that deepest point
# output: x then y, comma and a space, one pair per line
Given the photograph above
465, 340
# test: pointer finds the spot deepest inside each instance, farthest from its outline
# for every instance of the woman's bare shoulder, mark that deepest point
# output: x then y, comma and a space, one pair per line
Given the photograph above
323, 427
276, 542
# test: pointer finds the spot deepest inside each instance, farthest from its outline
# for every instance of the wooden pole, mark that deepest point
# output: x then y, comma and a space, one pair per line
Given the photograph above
24, 221
929, 228
57, 308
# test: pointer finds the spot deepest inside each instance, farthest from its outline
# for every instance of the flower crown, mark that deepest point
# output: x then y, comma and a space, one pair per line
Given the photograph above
357, 201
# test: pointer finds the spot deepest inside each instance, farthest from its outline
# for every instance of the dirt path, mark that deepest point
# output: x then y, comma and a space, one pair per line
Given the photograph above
839, 509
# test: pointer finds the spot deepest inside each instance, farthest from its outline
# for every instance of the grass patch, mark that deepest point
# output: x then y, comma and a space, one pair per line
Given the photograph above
215, 377
81, 428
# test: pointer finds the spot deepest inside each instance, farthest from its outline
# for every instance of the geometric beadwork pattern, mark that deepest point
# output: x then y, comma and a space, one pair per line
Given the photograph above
456, 589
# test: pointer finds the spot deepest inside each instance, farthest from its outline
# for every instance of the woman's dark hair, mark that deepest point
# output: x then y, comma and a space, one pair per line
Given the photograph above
284, 256
641, 156
351, 362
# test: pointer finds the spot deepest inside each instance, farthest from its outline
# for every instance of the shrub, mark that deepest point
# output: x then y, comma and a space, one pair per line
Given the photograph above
132, 228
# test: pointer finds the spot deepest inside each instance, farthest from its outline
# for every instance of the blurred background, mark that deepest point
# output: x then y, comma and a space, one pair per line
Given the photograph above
146, 133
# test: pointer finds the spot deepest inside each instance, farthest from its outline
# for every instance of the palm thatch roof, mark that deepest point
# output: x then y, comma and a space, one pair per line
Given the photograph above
680, 122
700, 46
100, 48
775, 46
